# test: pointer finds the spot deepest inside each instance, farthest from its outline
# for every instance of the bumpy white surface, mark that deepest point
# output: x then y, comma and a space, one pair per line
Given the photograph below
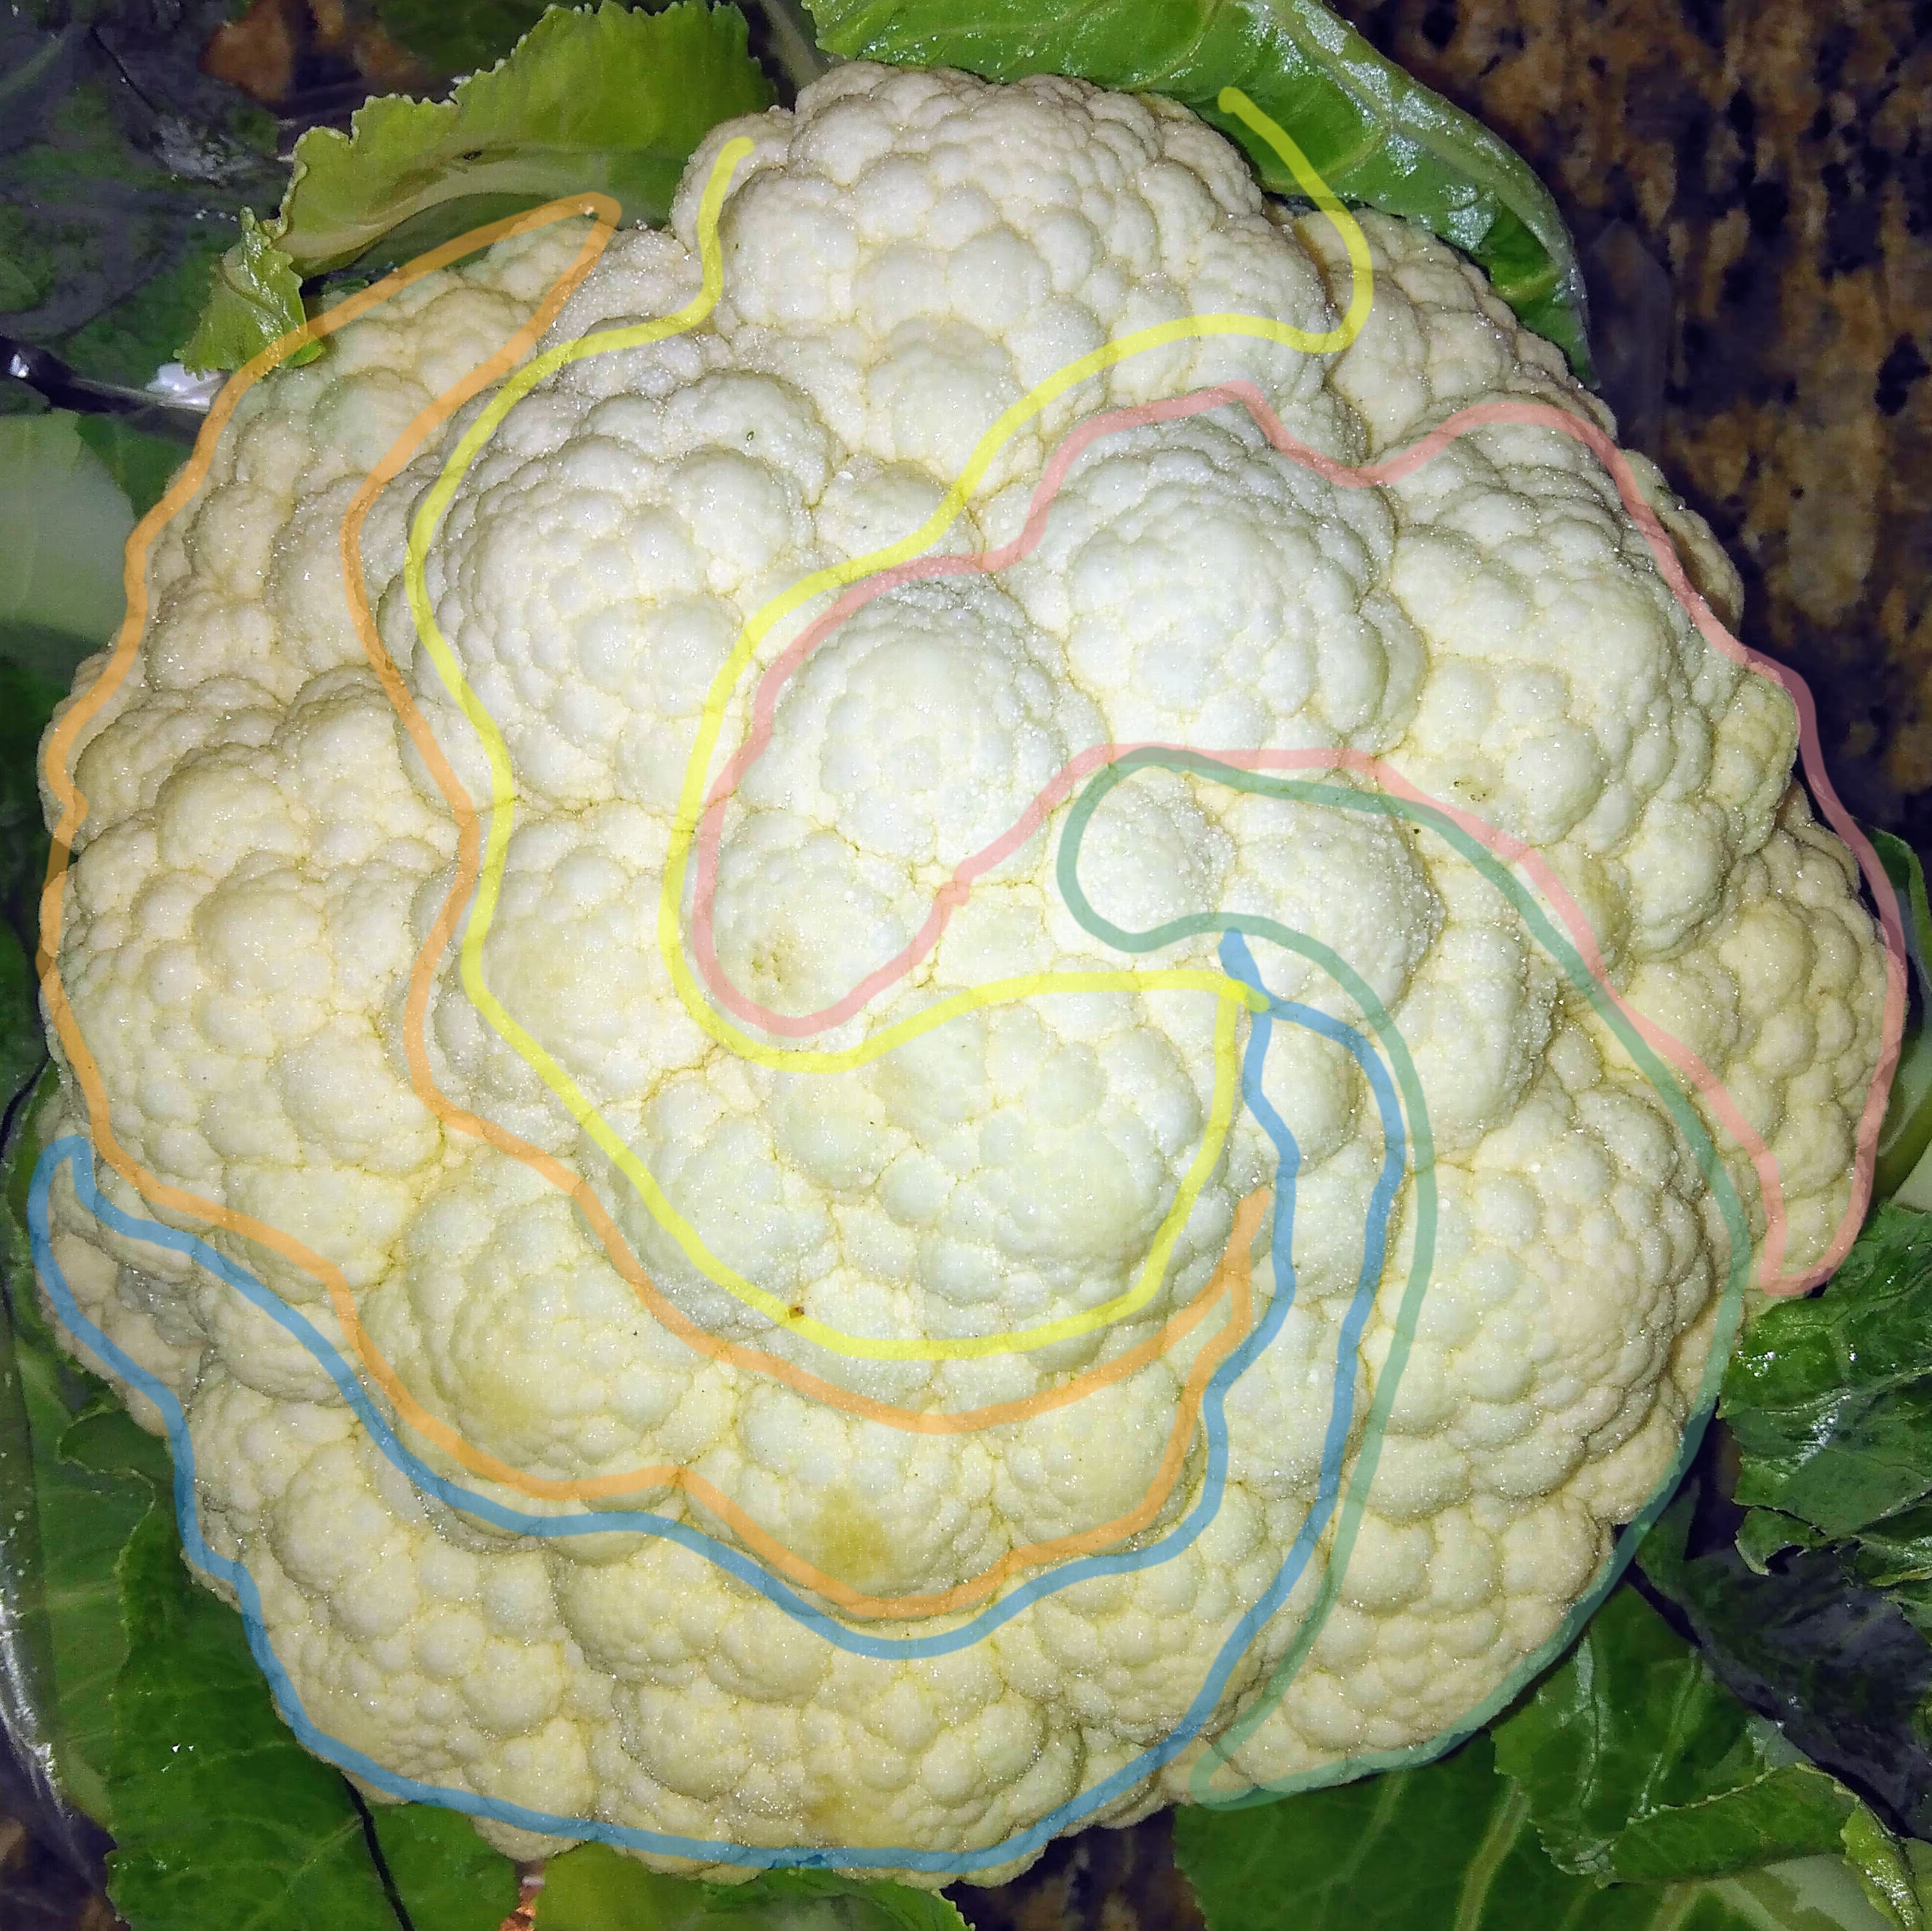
903, 257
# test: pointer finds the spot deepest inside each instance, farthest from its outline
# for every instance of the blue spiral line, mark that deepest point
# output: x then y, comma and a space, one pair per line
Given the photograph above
1239, 963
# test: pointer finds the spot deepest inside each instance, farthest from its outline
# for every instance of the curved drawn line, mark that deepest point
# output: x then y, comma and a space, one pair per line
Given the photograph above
70, 819
775, 1307
1469, 842
341, 1298
1373, 1261
235, 1574
1013, 419
618, 1483
1419, 1272
1233, 1361
1067, 452
586, 1197
957, 889
575, 1185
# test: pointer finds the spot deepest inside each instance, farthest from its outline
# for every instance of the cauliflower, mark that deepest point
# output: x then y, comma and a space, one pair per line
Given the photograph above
266, 850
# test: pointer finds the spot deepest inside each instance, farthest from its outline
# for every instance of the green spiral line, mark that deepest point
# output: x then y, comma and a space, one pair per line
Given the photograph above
1409, 1311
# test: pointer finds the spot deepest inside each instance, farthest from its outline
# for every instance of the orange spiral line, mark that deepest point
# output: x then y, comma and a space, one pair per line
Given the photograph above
1232, 1277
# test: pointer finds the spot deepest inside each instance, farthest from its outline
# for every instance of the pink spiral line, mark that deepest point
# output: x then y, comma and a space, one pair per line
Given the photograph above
955, 892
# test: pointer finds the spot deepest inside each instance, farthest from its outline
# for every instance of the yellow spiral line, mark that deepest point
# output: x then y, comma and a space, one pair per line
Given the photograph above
1230, 994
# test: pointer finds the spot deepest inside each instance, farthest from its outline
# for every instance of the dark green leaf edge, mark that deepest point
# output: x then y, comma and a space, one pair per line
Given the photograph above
1450, 1846
1920, 897
195, 1769
1638, 1766
1906, 1132
155, 1720
1843, 1675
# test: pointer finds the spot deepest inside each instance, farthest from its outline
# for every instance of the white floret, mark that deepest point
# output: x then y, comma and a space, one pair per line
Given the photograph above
266, 852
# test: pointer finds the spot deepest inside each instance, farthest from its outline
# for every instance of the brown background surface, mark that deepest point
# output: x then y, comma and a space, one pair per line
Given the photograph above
1773, 159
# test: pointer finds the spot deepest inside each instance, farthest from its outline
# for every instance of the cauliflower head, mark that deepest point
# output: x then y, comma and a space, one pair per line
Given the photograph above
266, 851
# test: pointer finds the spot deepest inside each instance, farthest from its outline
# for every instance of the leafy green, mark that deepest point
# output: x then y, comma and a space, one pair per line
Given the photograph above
85, 1516
613, 100
1895, 1553
1837, 1666
1830, 1399
1450, 1847
64, 1513
1638, 1764
447, 1877
134, 337
142, 464
1906, 1133
594, 1888
72, 1490
162, 1725
254, 297
1765, 1533
204, 1778
458, 36
141, 1683
1377, 135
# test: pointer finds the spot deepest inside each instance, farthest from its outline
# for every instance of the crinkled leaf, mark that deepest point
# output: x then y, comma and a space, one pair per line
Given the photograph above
1886, 1869
1638, 1764
254, 299
1766, 1533
594, 1888
1450, 1847
612, 100
67, 1514
103, 1438
1895, 1549
1830, 1399
132, 340
29, 1702
1377, 136
85, 1516
1830, 1402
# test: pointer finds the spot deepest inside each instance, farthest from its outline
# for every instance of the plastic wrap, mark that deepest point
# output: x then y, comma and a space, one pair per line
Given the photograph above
31, 1786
